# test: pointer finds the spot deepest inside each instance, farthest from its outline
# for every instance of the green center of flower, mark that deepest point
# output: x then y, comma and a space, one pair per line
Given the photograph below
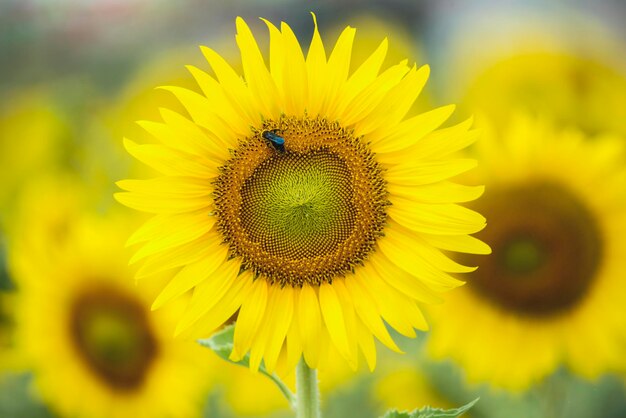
547, 248
522, 256
112, 335
306, 214
297, 206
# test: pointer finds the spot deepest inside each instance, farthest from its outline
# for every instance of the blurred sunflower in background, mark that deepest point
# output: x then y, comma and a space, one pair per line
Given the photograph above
562, 63
33, 138
405, 385
86, 330
552, 292
573, 90
303, 200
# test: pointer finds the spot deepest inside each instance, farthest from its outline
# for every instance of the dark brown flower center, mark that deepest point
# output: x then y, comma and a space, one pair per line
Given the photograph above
546, 246
306, 213
112, 335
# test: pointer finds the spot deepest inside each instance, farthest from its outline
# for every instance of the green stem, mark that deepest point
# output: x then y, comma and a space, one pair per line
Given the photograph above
283, 388
307, 392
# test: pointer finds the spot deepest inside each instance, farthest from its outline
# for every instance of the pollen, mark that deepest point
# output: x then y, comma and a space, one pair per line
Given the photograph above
305, 215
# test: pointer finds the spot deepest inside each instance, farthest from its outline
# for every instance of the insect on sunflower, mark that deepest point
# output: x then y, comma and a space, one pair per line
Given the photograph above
317, 234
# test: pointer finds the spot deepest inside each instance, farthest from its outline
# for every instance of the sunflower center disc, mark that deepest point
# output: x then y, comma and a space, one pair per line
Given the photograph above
546, 249
112, 334
306, 214
299, 206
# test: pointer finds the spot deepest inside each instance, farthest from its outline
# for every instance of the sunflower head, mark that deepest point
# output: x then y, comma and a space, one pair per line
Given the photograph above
302, 198
556, 202
574, 90
304, 215
112, 356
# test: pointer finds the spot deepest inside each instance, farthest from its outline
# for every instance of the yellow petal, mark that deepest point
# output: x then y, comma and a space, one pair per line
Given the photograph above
269, 339
362, 77
175, 257
401, 280
368, 98
221, 312
337, 71
294, 341
333, 318
170, 162
199, 108
350, 318
173, 231
183, 131
316, 72
157, 204
387, 301
233, 84
440, 192
366, 308
310, 323
278, 318
174, 186
429, 172
220, 101
249, 318
208, 292
368, 347
442, 218
396, 137
435, 145
295, 83
277, 60
411, 254
459, 243
396, 246
260, 82
395, 105
193, 274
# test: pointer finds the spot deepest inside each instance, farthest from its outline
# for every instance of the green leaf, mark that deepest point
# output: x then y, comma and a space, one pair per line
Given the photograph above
394, 413
221, 343
430, 412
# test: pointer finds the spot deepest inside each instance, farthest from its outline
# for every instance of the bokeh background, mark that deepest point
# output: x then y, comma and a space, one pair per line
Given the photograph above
75, 75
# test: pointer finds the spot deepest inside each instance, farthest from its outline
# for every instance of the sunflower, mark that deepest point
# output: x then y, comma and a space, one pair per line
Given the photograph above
405, 387
88, 334
574, 90
302, 199
34, 116
534, 64
552, 293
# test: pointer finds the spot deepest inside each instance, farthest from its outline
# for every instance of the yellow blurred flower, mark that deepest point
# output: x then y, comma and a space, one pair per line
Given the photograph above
86, 330
301, 199
32, 140
552, 293
572, 90
556, 63
405, 387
